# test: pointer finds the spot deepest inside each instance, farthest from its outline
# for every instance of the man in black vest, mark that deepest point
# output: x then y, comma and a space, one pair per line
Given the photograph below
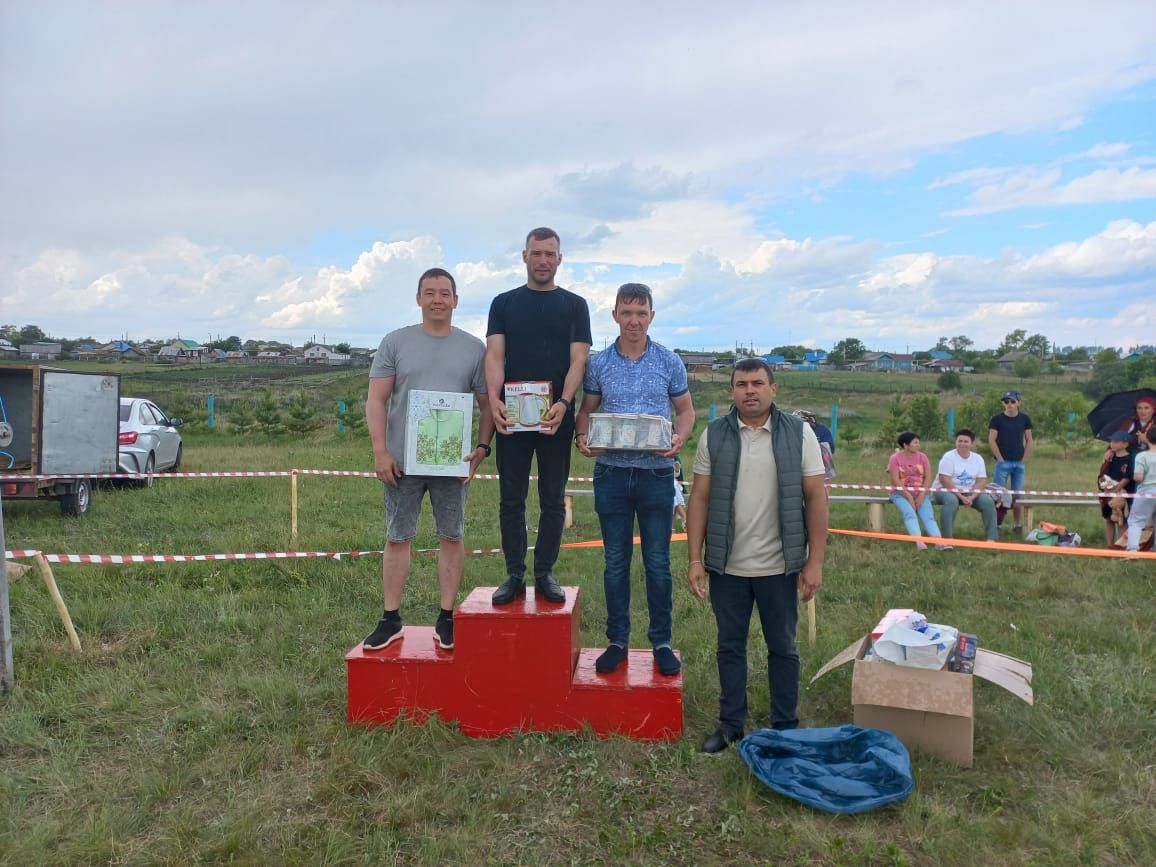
759, 504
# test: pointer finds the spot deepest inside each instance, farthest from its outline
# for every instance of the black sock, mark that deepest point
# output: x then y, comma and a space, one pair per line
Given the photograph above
446, 614
391, 615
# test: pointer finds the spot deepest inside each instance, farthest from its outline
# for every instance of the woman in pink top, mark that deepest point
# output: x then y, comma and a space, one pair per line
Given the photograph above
910, 472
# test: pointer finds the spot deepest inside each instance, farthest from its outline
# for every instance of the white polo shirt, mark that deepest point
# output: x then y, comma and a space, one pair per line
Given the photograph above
757, 549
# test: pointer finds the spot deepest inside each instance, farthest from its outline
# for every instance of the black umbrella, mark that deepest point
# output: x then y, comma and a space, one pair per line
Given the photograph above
1115, 411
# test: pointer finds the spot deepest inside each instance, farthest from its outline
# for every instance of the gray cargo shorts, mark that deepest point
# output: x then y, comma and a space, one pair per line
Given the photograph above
447, 496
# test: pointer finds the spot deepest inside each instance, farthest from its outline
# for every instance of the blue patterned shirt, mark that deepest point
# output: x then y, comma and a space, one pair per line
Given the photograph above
646, 385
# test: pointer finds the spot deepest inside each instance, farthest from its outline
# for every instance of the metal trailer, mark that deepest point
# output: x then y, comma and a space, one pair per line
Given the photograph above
57, 423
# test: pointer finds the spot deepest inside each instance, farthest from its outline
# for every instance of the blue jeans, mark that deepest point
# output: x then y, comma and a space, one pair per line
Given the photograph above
1010, 475
620, 494
777, 598
925, 513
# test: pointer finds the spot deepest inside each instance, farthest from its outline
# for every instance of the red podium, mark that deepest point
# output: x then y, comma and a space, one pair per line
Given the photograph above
513, 668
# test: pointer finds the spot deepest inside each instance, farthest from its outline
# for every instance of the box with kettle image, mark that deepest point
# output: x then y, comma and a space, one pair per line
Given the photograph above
527, 404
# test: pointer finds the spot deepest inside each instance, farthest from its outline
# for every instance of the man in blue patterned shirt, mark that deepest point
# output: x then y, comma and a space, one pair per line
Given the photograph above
636, 375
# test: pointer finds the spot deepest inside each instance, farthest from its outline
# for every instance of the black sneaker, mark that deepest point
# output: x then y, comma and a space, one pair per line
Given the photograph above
387, 632
612, 657
444, 630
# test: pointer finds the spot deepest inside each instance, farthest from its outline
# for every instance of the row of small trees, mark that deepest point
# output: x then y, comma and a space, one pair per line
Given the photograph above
1052, 417
268, 416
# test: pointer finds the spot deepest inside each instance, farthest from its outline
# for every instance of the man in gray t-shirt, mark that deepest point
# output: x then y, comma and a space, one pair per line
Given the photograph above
432, 356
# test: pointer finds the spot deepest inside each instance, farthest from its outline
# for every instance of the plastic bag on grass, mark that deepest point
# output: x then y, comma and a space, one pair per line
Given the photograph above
916, 643
848, 769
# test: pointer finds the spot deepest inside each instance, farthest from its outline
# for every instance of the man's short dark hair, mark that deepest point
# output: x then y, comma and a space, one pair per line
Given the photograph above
965, 432
746, 365
542, 233
634, 292
906, 437
437, 272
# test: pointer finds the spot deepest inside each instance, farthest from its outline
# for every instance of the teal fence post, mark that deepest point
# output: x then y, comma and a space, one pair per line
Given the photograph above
212, 404
341, 416
835, 422
1071, 427
951, 425
711, 416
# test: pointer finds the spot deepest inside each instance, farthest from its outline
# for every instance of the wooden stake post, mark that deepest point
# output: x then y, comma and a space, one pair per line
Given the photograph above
293, 510
57, 600
7, 675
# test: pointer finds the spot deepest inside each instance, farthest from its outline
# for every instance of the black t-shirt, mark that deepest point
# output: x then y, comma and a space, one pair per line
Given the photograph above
1009, 434
1119, 467
539, 328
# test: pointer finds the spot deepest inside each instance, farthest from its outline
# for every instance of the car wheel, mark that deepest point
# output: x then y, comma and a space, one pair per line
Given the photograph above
176, 467
149, 469
79, 501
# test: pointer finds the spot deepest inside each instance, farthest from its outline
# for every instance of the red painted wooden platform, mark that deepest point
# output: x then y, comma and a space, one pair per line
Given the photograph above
513, 668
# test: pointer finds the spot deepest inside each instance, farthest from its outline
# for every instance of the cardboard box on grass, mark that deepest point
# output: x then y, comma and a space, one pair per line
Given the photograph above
932, 710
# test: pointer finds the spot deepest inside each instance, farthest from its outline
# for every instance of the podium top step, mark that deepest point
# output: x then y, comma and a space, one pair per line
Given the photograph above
478, 604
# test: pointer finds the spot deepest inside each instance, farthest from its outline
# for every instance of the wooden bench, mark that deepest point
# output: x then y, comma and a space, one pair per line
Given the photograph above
875, 504
875, 515
1029, 506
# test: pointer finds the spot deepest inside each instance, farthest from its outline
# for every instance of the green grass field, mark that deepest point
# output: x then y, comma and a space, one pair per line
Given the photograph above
204, 721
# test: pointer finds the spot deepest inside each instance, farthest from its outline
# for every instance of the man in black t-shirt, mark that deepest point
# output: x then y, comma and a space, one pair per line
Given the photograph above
1010, 436
537, 332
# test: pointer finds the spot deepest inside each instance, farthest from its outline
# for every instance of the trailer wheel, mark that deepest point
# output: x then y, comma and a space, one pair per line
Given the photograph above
78, 501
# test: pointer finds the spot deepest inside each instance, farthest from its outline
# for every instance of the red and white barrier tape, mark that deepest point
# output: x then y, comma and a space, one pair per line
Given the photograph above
235, 474
993, 491
227, 474
224, 474
188, 558
592, 543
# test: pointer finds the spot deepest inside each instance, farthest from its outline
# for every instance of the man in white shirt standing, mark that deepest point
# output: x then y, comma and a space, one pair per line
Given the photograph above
962, 479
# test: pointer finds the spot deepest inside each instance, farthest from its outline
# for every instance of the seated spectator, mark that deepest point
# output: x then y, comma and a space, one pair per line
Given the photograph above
1144, 504
962, 478
1116, 478
910, 472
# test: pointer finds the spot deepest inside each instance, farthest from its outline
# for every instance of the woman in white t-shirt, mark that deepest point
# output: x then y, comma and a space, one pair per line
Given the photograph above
962, 478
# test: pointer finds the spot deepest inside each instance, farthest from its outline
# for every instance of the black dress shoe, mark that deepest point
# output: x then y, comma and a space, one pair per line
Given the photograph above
510, 589
719, 741
549, 590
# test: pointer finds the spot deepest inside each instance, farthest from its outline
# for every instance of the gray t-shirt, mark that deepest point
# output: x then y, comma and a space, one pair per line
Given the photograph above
419, 360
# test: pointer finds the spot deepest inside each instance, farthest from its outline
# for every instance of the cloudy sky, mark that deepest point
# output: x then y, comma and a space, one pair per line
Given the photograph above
777, 172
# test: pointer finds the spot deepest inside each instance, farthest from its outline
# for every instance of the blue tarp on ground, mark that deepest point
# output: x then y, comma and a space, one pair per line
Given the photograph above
848, 769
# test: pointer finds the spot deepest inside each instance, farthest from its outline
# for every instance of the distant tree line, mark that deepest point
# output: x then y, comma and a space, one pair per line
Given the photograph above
34, 334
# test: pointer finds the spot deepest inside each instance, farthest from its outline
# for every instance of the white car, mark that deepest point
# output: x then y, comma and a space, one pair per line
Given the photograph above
149, 440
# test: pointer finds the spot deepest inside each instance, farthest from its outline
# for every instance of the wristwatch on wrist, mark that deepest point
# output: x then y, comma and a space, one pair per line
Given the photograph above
484, 447
569, 403
580, 433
